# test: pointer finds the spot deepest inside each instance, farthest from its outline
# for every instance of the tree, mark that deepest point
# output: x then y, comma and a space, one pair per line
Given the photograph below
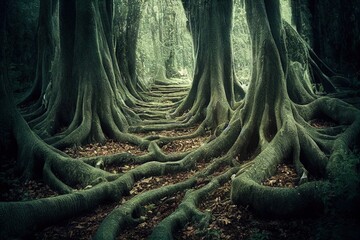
170, 25
163, 23
270, 126
46, 47
336, 34
281, 123
214, 90
74, 111
127, 23
210, 24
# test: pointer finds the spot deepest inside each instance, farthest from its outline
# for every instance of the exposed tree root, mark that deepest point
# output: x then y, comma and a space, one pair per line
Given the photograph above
291, 139
271, 126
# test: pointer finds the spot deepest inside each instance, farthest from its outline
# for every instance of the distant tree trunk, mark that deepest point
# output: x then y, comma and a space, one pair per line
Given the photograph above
170, 39
127, 23
211, 96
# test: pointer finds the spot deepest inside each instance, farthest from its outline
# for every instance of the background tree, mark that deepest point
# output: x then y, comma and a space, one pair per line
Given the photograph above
163, 27
128, 15
241, 45
211, 96
170, 38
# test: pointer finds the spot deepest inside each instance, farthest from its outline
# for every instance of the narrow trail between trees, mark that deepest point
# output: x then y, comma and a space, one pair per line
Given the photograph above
199, 191
205, 162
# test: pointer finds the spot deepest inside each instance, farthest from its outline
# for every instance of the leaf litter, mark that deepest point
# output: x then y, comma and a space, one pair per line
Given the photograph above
227, 222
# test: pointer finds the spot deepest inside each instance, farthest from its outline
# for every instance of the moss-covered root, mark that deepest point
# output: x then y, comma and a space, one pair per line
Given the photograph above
246, 188
129, 213
155, 154
188, 210
306, 198
19, 219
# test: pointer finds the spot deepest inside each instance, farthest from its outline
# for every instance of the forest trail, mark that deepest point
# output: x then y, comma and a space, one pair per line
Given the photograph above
162, 98
228, 221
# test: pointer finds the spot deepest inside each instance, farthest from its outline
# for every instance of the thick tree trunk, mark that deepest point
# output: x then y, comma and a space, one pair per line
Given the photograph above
210, 24
274, 128
86, 96
170, 39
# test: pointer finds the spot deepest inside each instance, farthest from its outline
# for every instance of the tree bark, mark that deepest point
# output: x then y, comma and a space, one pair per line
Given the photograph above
127, 23
210, 24
46, 48
86, 101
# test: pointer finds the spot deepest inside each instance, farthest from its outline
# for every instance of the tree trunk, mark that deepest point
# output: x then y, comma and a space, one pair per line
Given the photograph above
85, 101
46, 48
127, 23
274, 119
211, 96
170, 39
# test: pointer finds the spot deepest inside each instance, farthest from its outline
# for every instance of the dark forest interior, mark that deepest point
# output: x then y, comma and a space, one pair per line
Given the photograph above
180, 119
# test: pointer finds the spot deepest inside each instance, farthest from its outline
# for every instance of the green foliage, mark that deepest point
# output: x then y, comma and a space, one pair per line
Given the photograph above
162, 33
241, 44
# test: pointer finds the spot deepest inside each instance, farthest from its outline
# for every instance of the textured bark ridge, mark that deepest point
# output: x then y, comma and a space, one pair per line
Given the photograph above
86, 100
271, 125
211, 97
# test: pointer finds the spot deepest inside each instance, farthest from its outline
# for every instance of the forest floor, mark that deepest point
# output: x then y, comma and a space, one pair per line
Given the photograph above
228, 221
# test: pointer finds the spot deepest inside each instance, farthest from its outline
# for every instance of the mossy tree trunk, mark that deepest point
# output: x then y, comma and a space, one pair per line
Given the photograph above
127, 23
46, 47
170, 28
86, 99
274, 118
211, 96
